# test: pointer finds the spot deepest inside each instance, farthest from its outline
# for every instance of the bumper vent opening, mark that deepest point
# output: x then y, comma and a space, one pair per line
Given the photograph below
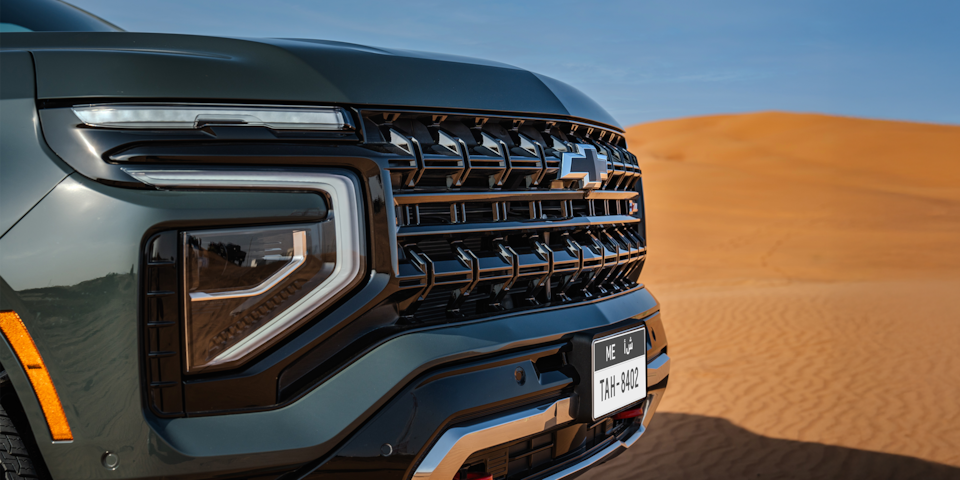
540, 454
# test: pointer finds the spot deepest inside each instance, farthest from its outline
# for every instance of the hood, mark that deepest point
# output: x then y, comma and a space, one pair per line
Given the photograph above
117, 66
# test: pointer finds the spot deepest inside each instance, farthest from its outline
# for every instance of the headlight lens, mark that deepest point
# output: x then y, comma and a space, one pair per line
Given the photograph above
240, 280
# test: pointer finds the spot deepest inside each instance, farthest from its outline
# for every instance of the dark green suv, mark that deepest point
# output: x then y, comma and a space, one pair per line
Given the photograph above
279, 258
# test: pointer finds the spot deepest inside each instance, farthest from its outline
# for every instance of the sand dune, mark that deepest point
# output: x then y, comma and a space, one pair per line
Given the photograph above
809, 272
811, 197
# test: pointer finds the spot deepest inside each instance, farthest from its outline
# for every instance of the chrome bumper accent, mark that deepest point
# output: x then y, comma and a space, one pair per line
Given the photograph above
649, 406
658, 369
597, 457
457, 444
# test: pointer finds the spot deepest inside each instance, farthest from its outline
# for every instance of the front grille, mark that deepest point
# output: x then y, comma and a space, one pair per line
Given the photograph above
441, 151
486, 226
550, 450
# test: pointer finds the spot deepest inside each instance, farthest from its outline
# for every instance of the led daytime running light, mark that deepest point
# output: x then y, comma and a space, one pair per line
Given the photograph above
193, 117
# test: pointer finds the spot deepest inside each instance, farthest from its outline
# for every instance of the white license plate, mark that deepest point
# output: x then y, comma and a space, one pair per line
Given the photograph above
619, 371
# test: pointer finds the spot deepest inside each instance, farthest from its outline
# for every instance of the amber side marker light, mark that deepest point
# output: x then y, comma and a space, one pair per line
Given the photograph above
22, 343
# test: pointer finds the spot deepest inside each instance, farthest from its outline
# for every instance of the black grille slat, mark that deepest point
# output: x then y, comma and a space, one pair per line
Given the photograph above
459, 262
461, 271
441, 151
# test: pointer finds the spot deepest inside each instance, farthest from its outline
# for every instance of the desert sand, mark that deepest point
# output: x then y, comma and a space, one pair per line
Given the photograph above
808, 268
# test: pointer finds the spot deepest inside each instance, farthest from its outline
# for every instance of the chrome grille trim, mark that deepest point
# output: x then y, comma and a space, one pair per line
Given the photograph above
461, 228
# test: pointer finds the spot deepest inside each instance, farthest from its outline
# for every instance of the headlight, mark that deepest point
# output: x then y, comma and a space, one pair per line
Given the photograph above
244, 288
240, 281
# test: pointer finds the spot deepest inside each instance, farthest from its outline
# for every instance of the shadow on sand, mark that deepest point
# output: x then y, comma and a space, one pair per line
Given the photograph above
681, 446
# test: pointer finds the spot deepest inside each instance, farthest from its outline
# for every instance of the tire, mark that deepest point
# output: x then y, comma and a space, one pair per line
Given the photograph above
17, 461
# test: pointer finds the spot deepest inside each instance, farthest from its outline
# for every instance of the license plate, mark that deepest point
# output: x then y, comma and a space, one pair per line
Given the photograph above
619, 371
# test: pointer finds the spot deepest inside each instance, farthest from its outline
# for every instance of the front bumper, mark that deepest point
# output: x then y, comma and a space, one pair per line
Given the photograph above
457, 444
465, 415
310, 428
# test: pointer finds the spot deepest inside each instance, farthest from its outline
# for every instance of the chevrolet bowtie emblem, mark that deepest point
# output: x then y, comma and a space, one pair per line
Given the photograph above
585, 165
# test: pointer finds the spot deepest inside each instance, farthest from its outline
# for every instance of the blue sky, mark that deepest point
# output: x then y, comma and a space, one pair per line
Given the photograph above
642, 60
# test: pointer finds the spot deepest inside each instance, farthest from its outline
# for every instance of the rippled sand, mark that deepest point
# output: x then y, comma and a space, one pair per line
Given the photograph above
809, 273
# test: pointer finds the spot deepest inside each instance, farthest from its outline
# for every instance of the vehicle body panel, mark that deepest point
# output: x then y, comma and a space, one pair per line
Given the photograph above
82, 309
51, 16
28, 169
120, 66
